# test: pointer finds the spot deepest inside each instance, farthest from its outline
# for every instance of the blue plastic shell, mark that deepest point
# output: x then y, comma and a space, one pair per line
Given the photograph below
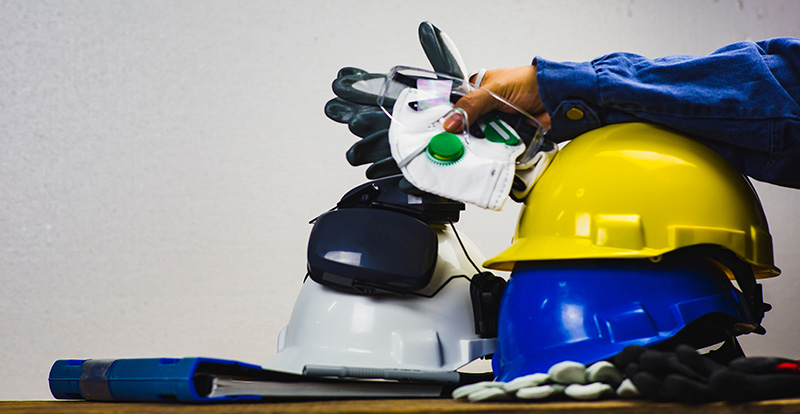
587, 311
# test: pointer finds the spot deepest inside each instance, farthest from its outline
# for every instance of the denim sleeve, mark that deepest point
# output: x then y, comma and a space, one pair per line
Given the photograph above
743, 101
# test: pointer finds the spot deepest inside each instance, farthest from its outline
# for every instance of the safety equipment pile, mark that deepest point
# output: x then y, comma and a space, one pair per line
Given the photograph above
630, 236
501, 154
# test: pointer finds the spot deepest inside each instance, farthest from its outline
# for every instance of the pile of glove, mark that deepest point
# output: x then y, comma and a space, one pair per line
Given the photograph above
570, 379
682, 375
686, 376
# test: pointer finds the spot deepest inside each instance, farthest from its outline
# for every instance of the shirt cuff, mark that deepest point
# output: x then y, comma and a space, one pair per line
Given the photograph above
566, 89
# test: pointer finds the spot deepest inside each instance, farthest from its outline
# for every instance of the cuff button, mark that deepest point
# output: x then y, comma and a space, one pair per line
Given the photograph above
575, 114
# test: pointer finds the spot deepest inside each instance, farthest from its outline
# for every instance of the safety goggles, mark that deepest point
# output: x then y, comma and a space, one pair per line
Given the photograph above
433, 91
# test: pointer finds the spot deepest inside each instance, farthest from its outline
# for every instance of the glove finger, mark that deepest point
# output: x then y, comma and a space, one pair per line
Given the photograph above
343, 111
383, 168
629, 354
465, 390
373, 148
654, 362
527, 381
632, 369
367, 123
593, 391
674, 364
604, 372
627, 389
679, 388
540, 392
489, 394
440, 51
733, 385
662, 364
350, 70
649, 385
568, 372
363, 88
759, 365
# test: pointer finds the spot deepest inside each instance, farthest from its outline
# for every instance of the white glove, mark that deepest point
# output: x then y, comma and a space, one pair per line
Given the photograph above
600, 380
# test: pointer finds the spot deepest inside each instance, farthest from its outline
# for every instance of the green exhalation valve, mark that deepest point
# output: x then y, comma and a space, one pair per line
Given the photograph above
497, 130
446, 147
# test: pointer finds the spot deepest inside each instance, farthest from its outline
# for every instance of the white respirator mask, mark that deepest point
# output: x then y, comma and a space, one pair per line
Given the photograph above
475, 167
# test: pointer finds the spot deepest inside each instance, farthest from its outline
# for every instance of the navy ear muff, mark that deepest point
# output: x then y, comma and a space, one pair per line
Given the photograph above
371, 251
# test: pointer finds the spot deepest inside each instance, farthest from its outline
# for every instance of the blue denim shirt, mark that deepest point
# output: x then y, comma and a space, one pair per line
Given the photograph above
743, 101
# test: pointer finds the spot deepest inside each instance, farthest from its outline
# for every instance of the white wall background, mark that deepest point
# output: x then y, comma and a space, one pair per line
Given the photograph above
160, 160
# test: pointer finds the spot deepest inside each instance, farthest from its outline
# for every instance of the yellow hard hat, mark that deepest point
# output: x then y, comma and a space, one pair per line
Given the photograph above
636, 191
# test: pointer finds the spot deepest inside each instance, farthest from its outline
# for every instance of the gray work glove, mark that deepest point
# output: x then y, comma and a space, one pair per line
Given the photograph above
568, 379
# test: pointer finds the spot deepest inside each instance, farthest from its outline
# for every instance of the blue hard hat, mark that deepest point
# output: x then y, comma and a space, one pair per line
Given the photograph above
589, 310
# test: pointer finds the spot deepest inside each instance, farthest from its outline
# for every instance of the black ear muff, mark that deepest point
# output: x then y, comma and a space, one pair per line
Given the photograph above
486, 290
371, 251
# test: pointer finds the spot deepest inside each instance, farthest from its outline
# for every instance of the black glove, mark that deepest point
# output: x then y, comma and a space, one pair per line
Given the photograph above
759, 378
356, 104
684, 375
668, 376
367, 121
440, 51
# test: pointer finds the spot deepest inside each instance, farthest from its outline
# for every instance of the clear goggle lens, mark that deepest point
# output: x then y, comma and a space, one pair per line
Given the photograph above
434, 89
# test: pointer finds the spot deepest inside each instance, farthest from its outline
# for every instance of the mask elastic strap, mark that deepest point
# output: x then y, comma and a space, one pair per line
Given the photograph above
479, 77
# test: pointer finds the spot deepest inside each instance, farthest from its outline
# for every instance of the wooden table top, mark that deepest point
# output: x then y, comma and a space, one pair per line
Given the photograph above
405, 407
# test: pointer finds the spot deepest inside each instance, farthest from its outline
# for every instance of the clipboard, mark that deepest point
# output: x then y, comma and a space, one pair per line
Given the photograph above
202, 380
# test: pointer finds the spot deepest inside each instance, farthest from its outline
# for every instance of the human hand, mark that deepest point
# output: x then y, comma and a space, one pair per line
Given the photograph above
516, 85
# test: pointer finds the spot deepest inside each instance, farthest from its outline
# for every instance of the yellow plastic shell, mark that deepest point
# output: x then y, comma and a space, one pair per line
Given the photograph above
638, 191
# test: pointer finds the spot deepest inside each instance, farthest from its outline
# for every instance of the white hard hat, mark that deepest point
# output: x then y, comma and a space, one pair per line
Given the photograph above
432, 331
